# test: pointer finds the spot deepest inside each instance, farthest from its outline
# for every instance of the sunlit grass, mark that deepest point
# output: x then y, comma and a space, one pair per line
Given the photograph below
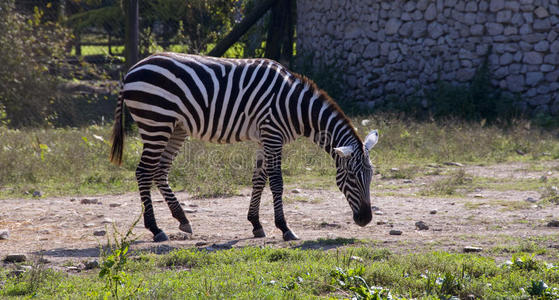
75, 160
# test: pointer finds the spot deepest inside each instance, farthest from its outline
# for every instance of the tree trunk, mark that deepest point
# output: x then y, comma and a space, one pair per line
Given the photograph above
242, 27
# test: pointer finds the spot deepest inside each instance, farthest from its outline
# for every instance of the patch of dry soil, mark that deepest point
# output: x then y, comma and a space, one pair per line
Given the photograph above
62, 229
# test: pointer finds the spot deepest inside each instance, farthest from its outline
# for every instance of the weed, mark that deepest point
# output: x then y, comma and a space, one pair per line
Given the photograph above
113, 265
449, 185
550, 194
542, 291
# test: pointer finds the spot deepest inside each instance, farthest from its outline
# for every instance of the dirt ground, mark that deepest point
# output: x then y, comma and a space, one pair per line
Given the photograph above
62, 229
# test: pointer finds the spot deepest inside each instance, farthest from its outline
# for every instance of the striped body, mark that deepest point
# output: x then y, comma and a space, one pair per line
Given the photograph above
172, 96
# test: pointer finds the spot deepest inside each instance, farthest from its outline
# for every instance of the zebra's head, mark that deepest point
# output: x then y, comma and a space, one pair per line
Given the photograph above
354, 172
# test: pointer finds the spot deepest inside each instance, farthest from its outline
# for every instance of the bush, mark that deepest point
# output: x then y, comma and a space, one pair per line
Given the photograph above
29, 65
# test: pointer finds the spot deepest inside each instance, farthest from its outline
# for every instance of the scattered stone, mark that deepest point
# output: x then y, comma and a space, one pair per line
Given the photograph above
394, 170
73, 269
72, 199
99, 233
189, 210
433, 212
437, 229
420, 225
43, 260
378, 213
395, 232
198, 244
356, 258
88, 225
471, 249
553, 223
224, 246
374, 208
37, 194
180, 236
329, 225
107, 221
89, 201
478, 196
408, 181
381, 222
296, 191
531, 200
196, 205
366, 122
115, 205
456, 164
93, 264
4, 234
43, 231
15, 258
520, 152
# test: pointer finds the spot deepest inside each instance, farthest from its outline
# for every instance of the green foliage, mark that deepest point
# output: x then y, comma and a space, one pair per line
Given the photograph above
351, 280
540, 290
114, 262
258, 273
28, 87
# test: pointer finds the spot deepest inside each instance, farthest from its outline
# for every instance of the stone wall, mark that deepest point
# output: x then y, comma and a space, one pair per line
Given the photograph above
400, 47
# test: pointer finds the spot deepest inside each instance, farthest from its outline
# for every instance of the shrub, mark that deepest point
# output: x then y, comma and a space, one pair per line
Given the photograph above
29, 65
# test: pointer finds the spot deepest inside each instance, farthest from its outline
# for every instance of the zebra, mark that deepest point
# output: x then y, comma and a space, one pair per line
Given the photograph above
173, 96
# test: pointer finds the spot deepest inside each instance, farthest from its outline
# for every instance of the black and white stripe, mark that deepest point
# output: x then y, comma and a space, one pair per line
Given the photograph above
172, 96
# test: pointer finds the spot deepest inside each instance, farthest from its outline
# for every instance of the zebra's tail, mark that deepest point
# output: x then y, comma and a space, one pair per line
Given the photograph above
118, 131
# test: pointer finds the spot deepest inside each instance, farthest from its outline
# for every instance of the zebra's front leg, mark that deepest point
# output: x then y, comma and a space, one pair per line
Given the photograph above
259, 178
273, 167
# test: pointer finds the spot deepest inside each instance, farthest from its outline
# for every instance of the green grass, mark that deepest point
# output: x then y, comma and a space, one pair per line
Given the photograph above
266, 273
72, 161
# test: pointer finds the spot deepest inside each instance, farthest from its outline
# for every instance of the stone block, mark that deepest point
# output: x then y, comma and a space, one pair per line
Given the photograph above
533, 58
496, 5
541, 12
430, 12
541, 46
392, 26
494, 28
542, 25
505, 59
515, 82
435, 30
533, 78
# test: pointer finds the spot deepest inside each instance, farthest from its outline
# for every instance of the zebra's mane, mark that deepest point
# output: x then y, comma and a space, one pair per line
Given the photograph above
324, 95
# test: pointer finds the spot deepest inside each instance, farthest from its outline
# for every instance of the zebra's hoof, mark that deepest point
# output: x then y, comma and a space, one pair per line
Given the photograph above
289, 236
259, 233
160, 237
186, 227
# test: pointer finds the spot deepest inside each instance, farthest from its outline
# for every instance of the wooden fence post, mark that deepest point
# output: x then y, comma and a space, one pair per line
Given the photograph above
132, 33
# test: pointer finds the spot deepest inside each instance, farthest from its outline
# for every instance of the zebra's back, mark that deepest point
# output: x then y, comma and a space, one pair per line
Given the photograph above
217, 100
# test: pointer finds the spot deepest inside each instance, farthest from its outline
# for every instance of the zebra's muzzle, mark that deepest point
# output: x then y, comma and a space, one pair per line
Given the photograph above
363, 217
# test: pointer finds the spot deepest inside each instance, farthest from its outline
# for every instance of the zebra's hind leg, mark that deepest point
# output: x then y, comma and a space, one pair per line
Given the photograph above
259, 179
144, 176
273, 168
161, 177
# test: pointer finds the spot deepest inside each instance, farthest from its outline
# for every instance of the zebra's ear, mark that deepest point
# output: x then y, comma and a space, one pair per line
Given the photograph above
371, 140
344, 151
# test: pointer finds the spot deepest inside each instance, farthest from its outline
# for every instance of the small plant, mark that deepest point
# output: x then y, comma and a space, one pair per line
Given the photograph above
351, 280
550, 194
113, 265
540, 290
449, 185
525, 262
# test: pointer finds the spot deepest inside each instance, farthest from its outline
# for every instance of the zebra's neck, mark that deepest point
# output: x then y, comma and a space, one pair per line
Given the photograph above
331, 128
